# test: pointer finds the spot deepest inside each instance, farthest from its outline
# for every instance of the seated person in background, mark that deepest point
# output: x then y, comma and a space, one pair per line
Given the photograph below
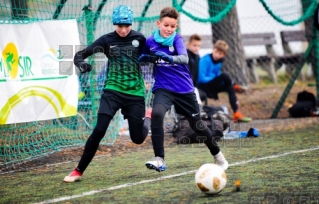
212, 81
193, 46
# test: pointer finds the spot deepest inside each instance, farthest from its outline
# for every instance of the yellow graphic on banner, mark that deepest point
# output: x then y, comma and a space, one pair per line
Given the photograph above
11, 59
40, 91
57, 53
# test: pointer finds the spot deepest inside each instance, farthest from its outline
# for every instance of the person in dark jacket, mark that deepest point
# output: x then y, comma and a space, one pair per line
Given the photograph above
193, 46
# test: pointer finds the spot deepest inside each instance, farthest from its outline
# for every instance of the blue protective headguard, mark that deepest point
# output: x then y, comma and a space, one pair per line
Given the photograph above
122, 15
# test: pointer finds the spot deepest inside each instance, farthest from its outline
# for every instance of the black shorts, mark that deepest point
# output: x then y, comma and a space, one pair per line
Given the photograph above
185, 104
132, 107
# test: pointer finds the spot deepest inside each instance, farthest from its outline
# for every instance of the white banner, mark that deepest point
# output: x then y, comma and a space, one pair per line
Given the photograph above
37, 76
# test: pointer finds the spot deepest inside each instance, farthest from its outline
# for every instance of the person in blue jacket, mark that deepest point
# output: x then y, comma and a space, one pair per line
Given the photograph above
212, 81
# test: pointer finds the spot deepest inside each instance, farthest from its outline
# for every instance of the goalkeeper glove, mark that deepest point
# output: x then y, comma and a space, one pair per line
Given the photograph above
164, 56
144, 58
84, 67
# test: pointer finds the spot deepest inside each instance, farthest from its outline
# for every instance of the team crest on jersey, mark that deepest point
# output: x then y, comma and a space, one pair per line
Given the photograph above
171, 48
135, 43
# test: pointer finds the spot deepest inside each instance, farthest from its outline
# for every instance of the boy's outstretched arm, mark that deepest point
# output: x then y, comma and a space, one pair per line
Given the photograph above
178, 59
145, 53
80, 56
182, 55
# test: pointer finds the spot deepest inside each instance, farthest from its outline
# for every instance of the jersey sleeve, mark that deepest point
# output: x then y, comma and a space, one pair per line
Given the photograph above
204, 72
179, 45
142, 43
146, 47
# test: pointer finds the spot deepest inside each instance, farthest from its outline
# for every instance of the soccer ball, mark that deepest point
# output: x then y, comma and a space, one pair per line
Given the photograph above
210, 179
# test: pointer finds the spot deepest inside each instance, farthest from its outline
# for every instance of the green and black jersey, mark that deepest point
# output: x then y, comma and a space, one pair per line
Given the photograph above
123, 74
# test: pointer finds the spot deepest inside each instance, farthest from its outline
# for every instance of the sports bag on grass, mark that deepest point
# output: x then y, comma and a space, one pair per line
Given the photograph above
214, 118
304, 106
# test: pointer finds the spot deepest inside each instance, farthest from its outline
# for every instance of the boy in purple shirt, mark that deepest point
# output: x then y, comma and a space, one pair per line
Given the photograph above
173, 86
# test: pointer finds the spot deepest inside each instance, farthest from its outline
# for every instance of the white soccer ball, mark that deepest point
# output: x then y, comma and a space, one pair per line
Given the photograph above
210, 179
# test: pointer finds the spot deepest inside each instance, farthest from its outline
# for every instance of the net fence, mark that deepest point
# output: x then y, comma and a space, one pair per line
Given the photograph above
265, 37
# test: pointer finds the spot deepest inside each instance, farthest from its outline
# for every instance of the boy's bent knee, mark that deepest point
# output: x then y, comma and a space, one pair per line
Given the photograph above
157, 114
138, 140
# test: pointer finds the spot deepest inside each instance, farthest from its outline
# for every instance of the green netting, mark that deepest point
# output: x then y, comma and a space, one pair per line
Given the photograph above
290, 13
25, 141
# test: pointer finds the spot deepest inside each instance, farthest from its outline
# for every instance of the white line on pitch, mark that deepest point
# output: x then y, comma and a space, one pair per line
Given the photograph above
170, 176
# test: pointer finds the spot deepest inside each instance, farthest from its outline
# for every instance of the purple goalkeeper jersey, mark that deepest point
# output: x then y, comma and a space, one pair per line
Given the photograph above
170, 76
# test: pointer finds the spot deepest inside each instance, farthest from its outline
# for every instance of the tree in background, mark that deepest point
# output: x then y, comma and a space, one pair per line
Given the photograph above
228, 30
